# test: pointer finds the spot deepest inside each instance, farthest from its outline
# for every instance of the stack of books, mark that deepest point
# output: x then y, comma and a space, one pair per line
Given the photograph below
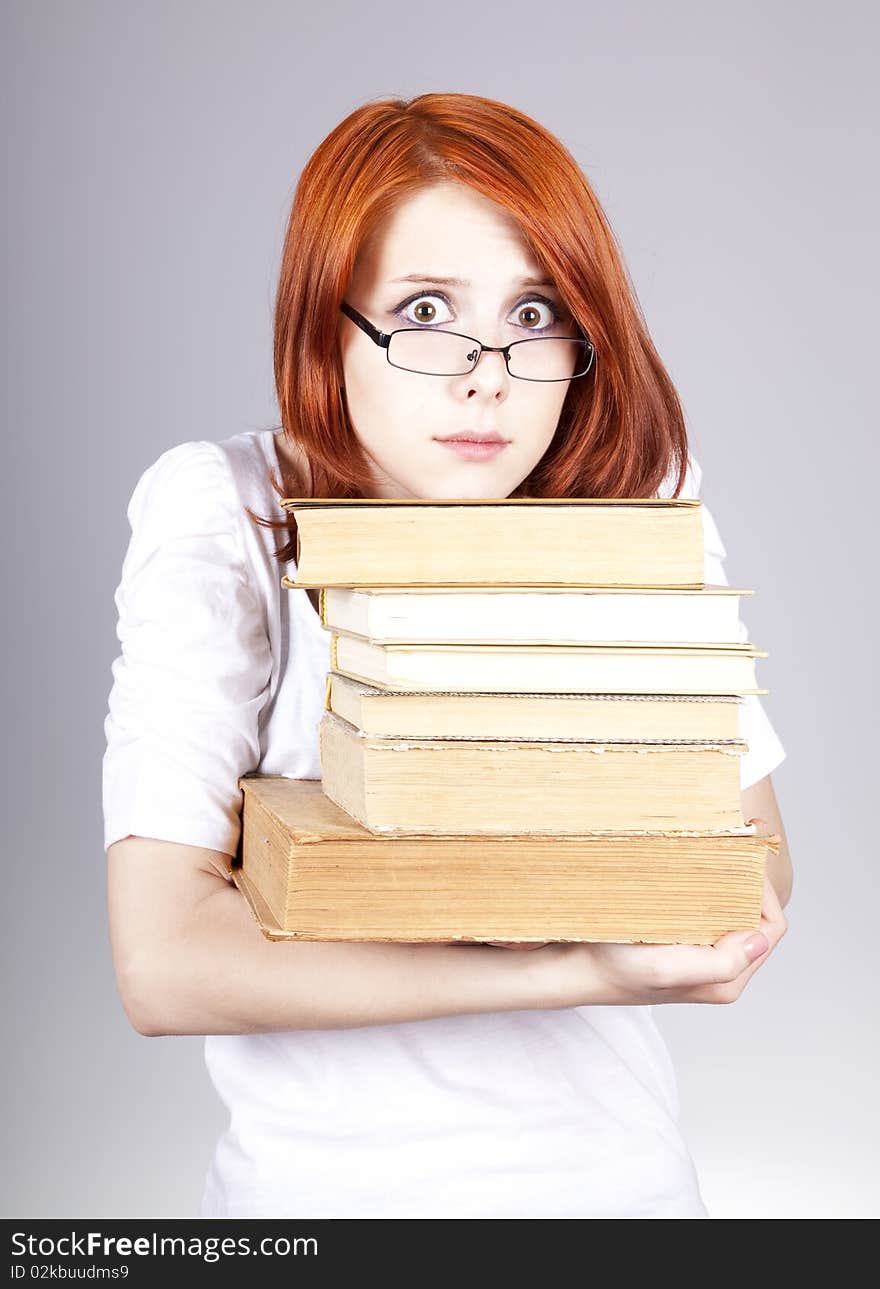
531, 730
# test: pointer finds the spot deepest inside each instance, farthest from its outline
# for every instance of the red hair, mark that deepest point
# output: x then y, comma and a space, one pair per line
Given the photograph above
621, 431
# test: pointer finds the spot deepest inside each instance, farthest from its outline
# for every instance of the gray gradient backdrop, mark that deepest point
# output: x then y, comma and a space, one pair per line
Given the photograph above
154, 149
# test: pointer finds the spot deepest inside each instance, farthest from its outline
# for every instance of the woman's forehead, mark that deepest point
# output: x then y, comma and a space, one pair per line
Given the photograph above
460, 240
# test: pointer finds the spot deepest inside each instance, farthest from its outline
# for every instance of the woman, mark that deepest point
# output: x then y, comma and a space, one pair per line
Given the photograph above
393, 1080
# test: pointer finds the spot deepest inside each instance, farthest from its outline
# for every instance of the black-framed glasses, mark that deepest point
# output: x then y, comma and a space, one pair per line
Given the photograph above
434, 352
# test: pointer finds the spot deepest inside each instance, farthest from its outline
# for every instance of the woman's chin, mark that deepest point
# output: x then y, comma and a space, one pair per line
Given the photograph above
469, 485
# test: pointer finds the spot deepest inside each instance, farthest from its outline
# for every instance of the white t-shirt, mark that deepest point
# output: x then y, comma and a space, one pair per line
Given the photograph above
570, 1112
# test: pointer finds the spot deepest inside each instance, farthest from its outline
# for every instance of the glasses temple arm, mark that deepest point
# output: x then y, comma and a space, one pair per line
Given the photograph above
378, 337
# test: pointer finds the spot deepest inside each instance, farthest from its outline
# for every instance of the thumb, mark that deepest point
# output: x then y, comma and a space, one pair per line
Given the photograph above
740, 947
754, 945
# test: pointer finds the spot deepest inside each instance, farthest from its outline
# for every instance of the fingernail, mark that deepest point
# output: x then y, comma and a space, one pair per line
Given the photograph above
757, 945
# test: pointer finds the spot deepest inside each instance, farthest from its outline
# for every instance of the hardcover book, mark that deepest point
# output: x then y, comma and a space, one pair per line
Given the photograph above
310, 872
526, 542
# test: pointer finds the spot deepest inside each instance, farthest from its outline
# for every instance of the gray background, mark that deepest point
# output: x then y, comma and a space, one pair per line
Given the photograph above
154, 150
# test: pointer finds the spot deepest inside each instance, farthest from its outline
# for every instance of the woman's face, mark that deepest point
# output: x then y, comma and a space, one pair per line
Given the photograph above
399, 416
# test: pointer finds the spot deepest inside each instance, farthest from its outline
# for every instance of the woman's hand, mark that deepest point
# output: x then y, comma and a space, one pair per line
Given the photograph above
626, 974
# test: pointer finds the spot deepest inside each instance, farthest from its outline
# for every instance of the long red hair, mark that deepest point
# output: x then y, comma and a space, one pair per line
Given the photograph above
621, 431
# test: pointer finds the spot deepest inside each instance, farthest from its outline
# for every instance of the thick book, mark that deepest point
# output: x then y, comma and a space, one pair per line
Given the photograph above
310, 872
613, 668
379, 541
553, 615
663, 718
477, 786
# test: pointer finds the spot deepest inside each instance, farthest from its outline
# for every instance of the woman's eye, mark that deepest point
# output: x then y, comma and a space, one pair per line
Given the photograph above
423, 311
536, 315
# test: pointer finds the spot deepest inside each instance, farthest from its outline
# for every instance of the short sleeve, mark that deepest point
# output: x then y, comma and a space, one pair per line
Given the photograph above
765, 751
193, 673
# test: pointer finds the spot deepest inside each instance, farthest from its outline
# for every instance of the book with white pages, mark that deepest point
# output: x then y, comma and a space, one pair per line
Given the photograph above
612, 668
557, 616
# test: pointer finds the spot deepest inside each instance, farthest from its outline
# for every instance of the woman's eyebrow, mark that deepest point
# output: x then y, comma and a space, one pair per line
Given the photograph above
457, 281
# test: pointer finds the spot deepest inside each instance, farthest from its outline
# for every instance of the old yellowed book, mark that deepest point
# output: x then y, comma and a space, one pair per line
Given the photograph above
363, 542
391, 713
309, 871
394, 785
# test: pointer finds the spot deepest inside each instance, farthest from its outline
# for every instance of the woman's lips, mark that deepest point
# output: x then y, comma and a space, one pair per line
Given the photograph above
472, 449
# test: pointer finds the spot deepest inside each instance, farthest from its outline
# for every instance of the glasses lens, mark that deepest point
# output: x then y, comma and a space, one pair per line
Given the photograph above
553, 358
436, 353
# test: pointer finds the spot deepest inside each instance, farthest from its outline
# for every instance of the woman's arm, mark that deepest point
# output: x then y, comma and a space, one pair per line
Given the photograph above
759, 802
190, 959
